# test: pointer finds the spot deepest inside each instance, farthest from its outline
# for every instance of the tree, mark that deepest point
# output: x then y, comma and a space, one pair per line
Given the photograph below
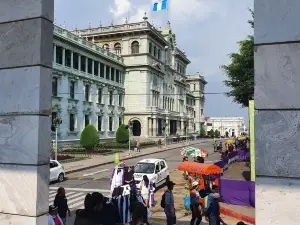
217, 133
202, 132
122, 134
211, 133
89, 137
240, 72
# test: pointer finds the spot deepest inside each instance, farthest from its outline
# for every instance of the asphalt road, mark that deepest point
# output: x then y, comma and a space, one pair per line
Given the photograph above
99, 177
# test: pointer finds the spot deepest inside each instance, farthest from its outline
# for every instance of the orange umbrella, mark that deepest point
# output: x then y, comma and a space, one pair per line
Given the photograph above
199, 168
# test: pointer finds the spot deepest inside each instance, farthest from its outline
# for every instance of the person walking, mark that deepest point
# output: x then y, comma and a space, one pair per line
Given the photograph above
53, 218
169, 204
61, 202
195, 204
213, 209
138, 146
86, 216
145, 189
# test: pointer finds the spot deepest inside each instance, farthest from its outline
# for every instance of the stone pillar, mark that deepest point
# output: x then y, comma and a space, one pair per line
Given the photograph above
54, 53
24, 161
72, 55
98, 69
63, 56
154, 129
79, 63
277, 115
86, 65
93, 67
150, 127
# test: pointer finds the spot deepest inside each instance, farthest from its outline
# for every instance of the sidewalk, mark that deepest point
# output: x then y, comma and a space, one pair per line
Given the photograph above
95, 161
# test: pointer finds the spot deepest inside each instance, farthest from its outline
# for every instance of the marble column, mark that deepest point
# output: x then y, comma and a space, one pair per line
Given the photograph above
54, 53
25, 96
72, 55
277, 115
154, 127
63, 56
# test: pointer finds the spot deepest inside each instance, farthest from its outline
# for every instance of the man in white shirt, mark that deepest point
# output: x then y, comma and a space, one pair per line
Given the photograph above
169, 204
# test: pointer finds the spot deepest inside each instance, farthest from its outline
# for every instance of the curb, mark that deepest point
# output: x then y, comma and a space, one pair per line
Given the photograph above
238, 216
126, 158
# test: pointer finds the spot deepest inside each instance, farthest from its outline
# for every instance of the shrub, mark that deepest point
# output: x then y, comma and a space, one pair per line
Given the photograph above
202, 132
89, 137
122, 135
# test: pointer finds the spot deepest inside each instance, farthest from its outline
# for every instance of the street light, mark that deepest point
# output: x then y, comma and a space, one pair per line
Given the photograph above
56, 122
129, 127
164, 129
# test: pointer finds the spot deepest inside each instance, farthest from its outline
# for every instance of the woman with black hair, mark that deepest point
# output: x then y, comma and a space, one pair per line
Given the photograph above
86, 216
145, 189
61, 202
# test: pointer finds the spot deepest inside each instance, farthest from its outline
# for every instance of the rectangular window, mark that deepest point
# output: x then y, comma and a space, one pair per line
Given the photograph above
53, 117
90, 66
96, 68
107, 72
75, 61
194, 114
54, 86
112, 75
86, 120
102, 70
201, 112
82, 64
68, 58
59, 54
72, 122
120, 100
111, 97
117, 76
72, 89
110, 123
120, 121
99, 123
100, 95
194, 87
87, 93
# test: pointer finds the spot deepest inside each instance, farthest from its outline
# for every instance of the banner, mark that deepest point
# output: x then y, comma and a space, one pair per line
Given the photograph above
252, 139
117, 158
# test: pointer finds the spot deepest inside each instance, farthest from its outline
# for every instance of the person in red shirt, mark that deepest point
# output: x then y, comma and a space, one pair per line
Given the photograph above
54, 218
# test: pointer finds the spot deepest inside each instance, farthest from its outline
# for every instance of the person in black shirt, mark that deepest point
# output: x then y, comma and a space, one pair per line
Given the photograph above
61, 202
86, 216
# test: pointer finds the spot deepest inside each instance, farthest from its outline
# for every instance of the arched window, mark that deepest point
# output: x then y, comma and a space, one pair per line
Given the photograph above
135, 47
118, 48
106, 46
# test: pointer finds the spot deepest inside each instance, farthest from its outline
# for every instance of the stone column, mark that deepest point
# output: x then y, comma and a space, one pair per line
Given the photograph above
63, 56
93, 67
54, 53
25, 96
154, 129
86, 65
72, 55
98, 69
79, 63
277, 115
150, 127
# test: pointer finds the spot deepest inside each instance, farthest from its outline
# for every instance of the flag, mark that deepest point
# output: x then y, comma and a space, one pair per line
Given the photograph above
158, 6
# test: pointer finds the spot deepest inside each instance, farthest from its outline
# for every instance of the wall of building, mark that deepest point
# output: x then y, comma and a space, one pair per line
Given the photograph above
232, 125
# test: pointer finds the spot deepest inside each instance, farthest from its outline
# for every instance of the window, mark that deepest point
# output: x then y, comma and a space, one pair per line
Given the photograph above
75, 61
194, 87
99, 123
120, 121
82, 64
72, 89
68, 58
159, 54
194, 114
87, 93
86, 120
117, 75
54, 86
112, 75
96, 68
110, 123
154, 51
111, 97
201, 112
162, 165
100, 95
118, 48
53, 117
106, 47
53, 165
72, 122
101, 70
135, 47
120, 100
90, 66
107, 72
150, 48
59, 54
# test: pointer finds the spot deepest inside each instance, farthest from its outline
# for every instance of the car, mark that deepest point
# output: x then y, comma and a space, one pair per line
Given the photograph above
57, 172
156, 169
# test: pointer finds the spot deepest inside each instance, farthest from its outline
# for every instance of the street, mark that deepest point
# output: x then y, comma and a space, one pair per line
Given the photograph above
97, 179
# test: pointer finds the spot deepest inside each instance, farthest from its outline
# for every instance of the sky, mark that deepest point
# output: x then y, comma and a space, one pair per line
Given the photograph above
207, 30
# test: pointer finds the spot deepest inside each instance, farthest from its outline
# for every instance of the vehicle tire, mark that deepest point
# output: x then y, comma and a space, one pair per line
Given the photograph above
61, 177
167, 179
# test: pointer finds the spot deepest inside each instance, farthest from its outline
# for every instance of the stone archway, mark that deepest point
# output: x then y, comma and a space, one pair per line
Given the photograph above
136, 128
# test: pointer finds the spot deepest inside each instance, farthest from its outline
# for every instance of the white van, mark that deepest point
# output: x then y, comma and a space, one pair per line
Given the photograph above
156, 169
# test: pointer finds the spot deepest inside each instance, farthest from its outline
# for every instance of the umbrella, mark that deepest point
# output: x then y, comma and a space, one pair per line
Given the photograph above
189, 151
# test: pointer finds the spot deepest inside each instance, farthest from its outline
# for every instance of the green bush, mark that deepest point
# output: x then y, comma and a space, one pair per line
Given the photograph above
202, 132
122, 135
89, 137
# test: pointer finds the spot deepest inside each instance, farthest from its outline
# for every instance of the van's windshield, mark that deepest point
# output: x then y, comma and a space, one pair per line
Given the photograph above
144, 168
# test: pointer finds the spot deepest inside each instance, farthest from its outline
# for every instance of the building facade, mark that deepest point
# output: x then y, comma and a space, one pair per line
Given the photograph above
197, 86
87, 86
227, 126
157, 91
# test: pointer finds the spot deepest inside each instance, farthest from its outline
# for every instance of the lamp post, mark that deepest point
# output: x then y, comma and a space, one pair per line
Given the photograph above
56, 122
165, 130
129, 127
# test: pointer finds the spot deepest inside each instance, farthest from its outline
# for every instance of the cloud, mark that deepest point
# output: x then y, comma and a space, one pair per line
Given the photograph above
121, 7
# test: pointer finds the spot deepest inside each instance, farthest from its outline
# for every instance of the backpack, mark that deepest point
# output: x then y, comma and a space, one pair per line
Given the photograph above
163, 201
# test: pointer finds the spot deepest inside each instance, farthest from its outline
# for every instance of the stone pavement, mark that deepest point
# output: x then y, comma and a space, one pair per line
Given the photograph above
95, 161
158, 216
